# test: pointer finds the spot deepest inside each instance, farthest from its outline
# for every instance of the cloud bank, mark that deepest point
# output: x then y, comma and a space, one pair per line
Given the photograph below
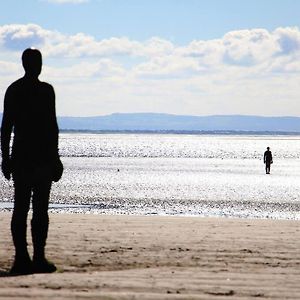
251, 71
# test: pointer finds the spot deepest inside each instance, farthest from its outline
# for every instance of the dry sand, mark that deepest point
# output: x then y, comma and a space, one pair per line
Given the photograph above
129, 257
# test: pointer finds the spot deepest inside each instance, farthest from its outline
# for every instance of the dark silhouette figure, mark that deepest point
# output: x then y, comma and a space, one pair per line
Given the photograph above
268, 160
33, 162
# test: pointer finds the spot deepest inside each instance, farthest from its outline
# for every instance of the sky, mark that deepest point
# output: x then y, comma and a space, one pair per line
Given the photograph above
191, 57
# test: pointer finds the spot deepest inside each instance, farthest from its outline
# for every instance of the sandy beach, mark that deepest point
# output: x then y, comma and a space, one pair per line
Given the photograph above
150, 257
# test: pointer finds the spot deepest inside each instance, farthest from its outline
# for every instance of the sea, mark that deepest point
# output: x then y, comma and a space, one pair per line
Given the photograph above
197, 175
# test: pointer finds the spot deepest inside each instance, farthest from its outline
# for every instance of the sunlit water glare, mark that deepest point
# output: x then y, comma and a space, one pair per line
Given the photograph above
196, 175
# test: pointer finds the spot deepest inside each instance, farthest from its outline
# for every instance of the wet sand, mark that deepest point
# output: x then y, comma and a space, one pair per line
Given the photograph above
131, 257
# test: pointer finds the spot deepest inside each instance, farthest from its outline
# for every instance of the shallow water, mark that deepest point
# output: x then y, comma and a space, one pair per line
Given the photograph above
195, 175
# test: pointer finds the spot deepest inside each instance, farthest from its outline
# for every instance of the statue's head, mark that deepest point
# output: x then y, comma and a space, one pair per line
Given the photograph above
32, 62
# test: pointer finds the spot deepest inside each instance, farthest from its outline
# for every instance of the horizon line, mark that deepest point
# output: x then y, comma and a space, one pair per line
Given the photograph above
176, 115
180, 115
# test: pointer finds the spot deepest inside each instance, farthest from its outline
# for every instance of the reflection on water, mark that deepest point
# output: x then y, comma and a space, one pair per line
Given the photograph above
177, 175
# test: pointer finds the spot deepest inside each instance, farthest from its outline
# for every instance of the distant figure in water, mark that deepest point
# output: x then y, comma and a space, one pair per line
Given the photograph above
34, 162
268, 160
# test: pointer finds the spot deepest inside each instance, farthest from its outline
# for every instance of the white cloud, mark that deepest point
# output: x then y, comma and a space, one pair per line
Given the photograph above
103, 68
168, 66
250, 71
249, 46
9, 68
288, 39
16, 37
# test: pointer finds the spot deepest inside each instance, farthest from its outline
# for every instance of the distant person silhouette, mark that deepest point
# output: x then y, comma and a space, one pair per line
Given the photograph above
29, 111
268, 160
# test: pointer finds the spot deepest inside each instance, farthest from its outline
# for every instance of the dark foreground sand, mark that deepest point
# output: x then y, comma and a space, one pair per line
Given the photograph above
115, 257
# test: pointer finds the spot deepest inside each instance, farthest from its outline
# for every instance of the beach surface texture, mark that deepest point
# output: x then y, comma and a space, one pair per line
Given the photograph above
154, 257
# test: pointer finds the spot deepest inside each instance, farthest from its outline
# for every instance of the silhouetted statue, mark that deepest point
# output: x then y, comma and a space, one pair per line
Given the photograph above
33, 162
268, 160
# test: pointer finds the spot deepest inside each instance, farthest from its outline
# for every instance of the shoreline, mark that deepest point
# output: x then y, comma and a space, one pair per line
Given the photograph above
239, 210
160, 257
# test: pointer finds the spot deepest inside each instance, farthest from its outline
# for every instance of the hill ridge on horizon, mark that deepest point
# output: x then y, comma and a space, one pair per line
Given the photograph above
171, 122
176, 115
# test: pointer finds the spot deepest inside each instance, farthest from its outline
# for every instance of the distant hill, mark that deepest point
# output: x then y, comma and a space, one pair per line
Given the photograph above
168, 122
